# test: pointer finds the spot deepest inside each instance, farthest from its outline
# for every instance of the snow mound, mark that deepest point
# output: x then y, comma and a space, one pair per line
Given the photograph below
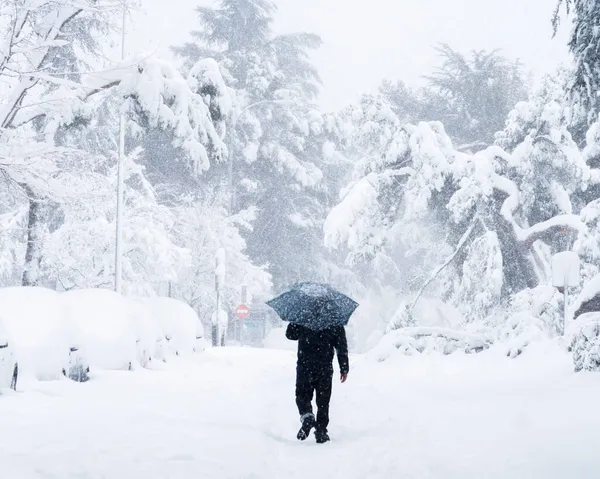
105, 330
36, 322
180, 324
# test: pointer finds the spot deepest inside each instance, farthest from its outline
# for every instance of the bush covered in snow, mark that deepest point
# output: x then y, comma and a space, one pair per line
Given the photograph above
533, 315
416, 340
434, 326
427, 311
519, 331
585, 344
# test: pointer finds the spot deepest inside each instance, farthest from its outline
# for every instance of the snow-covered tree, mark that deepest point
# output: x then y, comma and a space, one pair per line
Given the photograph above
548, 166
470, 95
275, 133
477, 93
50, 86
203, 227
80, 251
584, 43
419, 177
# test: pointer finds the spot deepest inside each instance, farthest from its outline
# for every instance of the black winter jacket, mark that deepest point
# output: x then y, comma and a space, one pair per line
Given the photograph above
315, 348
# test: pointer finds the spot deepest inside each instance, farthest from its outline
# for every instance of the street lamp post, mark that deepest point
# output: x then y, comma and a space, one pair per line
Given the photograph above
120, 179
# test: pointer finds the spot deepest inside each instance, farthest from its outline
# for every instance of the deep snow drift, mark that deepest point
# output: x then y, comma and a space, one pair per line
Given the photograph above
230, 413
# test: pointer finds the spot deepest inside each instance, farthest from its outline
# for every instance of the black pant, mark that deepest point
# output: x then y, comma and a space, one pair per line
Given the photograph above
307, 382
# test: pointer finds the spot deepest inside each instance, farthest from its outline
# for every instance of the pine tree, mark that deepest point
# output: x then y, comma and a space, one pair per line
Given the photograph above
470, 95
584, 46
275, 138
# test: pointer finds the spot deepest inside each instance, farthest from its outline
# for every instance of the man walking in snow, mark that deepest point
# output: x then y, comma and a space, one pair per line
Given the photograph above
314, 373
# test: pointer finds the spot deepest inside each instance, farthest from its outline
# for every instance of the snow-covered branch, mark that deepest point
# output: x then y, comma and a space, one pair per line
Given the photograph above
42, 34
459, 247
537, 231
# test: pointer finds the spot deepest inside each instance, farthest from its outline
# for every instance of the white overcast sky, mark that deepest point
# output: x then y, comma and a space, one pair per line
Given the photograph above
368, 40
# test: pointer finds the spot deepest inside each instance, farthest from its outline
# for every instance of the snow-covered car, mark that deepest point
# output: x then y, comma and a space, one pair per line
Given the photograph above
78, 368
150, 340
35, 321
9, 369
180, 324
102, 327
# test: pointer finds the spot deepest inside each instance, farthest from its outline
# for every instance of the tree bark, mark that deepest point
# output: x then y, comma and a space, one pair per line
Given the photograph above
35, 234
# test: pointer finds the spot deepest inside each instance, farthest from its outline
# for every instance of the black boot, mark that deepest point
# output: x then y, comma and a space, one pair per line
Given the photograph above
308, 422
321, 436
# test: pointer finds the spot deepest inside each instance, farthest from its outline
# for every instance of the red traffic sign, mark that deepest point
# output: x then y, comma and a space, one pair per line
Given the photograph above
242, 311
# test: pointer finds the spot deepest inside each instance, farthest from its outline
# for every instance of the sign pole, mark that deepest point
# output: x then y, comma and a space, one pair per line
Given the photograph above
241, 320
566, 297
565, 274
242, 312
215, 322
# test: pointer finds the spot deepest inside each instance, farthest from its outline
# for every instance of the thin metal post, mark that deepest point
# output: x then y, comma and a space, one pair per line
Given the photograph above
215, 324
566, 300
120, 180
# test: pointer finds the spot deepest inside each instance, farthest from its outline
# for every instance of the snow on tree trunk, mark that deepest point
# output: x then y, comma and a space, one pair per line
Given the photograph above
35, 235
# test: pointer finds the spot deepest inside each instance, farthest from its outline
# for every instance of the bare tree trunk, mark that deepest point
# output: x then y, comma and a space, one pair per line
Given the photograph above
35, 227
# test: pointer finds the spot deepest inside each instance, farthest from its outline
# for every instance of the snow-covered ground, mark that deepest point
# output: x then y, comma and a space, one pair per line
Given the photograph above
230, 413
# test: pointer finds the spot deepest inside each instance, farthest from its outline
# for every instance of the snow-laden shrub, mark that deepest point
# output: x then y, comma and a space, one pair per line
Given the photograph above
393, 343
585, 344
180, 324
519, 331
104, 330
543, 302
37, 324
534, 315
428, 312
427, 340
430, 326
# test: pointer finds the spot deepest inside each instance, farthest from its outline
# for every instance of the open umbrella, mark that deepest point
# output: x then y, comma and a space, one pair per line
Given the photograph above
314, 305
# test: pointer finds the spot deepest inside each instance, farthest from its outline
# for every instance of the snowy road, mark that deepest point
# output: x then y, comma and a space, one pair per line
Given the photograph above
230, 413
